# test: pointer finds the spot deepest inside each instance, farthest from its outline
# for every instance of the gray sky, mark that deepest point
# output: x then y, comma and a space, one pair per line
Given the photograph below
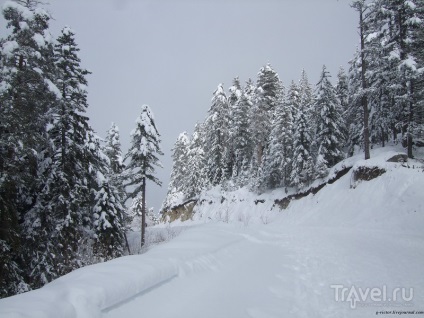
171, 55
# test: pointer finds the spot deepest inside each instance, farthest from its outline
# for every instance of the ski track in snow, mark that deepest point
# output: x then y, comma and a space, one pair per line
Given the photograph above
283, 272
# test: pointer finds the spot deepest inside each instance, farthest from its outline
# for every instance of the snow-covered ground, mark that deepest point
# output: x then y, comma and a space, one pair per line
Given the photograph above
344, 252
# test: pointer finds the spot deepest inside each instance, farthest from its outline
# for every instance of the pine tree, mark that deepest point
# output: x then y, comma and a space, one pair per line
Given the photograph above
361, 63
330, 126
342, 91
235, 92
306, 100
277, 159
26, 94
266, 99
242, 140
306, 94
143, 158
62, 206
302, 163
355, 110
400, 30
108, 212
217, 136
177, 184
112, 150
196, 178
293, 100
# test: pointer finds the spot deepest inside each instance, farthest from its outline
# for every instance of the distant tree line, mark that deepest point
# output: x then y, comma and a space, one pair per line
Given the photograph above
62, 188
263, 135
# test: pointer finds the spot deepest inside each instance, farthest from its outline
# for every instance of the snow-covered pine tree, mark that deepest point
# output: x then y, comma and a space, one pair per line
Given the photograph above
354, 114
306, 95
55, 224
235, 92
342, 91
400, 30
112, 150
330, 126
306, 101
108, 211
217, 136
196, 179
242, 140
143, 159
293, 100
26, 94
383, 113
274, 171
266, 99
234, 96
418, 52
177, 185
361, 70
302, 162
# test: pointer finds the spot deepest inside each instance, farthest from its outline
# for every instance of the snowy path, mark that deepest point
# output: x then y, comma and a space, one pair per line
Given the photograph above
280, 272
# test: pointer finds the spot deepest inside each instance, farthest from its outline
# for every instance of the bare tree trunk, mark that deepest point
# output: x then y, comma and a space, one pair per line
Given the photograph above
410, 119
143, 211
126, 242
364, 101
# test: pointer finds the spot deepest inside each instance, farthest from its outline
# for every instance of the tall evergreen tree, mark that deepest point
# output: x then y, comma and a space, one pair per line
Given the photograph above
361, 8
342, 90
26, 94
266, 99
143, 159
277, 160
112, 150
217, 136
180, 168
330, 125
302, 163
400, 30
108, 220
196, 178
62, 206
234, 96
242, 139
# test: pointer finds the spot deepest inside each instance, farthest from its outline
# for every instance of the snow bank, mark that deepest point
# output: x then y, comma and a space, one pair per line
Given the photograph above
393, 201
88, 291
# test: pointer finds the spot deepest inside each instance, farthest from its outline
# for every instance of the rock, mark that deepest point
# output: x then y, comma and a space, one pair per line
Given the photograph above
367, 173
401, 157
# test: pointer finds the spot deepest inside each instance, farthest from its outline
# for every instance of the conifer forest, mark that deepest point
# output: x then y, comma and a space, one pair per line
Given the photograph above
64, 190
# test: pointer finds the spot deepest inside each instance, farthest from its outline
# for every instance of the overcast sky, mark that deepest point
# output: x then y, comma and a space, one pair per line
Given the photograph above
171, 55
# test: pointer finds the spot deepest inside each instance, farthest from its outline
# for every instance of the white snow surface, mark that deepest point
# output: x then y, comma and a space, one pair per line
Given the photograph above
239, 258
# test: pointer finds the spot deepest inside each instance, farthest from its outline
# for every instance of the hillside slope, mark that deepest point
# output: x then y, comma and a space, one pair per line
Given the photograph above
391, 201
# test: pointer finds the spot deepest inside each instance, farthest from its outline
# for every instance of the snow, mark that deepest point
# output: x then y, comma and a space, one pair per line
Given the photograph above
9, 47
68, 31
245, 257
372, 36
23, 25
410, 63
25, 12
39, 39
410, 4
53, 88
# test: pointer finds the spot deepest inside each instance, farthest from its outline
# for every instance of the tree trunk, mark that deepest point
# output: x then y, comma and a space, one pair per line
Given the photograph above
410, 119
143, 211
364, 101
383, 137
126, 243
